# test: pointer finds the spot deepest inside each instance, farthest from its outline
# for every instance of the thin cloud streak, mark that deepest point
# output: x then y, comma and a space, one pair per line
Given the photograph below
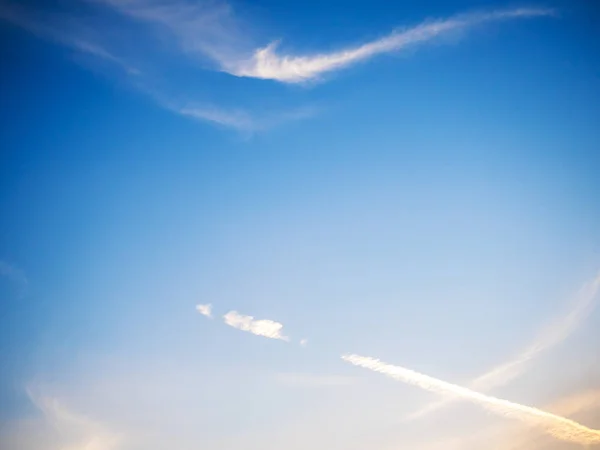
556, 332
557, 426
266, 63
264, 327
63, 33
243, 121
208, 27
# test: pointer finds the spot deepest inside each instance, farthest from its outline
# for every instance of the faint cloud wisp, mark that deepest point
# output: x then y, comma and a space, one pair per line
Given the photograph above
554, 333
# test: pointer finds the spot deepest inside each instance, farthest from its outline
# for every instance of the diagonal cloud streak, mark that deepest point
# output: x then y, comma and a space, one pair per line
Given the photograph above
557, 426
264, 327
583, 305
266, 63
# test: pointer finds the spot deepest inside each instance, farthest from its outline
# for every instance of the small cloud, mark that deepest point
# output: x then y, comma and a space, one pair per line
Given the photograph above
313, 381
303, 342
267, 328
205, 310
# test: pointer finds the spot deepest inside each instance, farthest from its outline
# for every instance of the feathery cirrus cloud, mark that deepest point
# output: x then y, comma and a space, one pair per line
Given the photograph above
211, 32
266, 63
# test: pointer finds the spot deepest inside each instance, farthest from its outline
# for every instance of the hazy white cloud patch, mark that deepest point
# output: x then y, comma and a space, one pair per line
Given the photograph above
303, 342
555, 332
205, 310
263, 327
267, 63
557, 426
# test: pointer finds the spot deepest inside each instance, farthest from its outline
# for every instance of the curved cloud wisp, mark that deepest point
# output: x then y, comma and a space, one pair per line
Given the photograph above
557, 426
266, 63
584, 303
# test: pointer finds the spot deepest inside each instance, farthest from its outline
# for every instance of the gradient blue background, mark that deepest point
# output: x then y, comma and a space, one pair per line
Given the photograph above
436, 210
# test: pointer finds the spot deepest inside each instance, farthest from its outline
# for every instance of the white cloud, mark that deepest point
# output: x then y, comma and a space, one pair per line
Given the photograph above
205, 310
267, 328
553, 334
303, 342
266, 63
557, 426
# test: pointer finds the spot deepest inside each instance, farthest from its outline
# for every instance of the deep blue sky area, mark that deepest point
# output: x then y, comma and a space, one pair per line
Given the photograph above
415, 181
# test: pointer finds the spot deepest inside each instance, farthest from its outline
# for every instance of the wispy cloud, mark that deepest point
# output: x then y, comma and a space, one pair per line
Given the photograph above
205, 310
211, 28
210, 31
75, 431
207, 27
557, 426
242, 120
63, 31
264, 327
266, 63
584, 303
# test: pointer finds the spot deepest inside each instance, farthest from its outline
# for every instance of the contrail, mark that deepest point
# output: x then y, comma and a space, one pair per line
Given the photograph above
557, 426
583, 305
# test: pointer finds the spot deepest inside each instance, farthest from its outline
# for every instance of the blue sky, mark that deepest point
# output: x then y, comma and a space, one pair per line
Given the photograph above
414, 182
